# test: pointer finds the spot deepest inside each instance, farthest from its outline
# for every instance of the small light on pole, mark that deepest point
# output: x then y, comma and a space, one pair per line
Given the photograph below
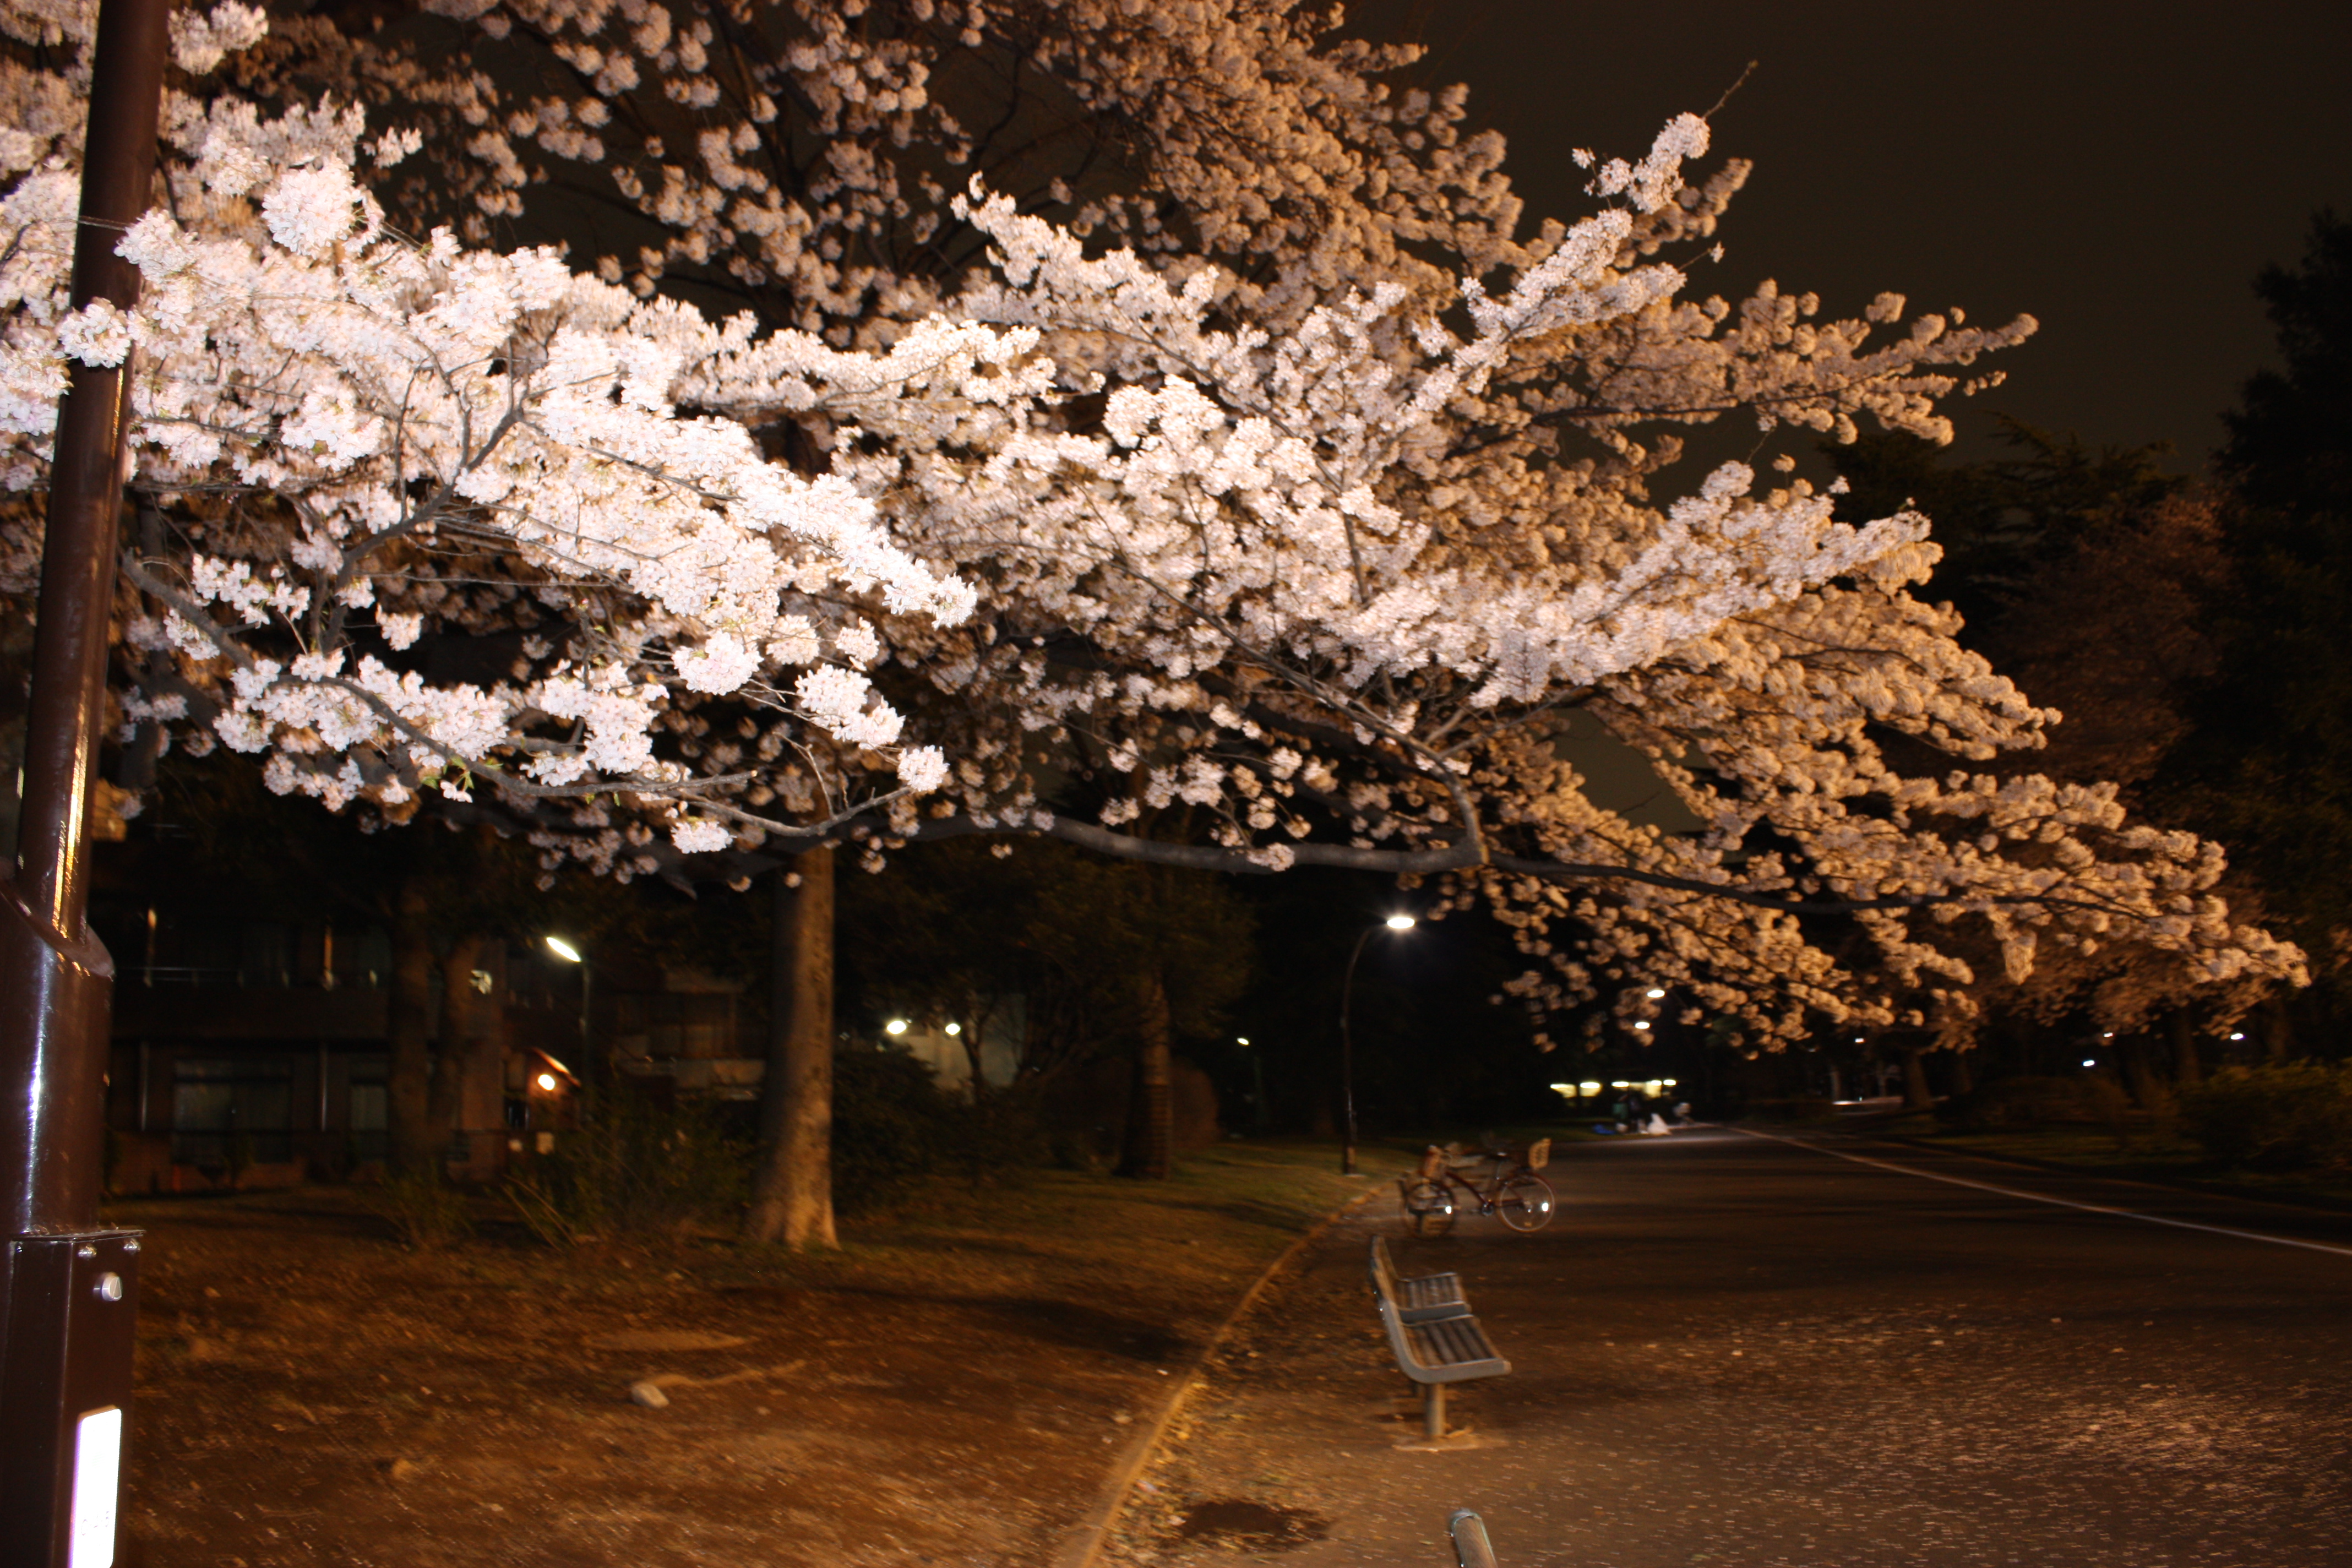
1257, 1086
1396, 922
1655, 993
895, 1026
571, 953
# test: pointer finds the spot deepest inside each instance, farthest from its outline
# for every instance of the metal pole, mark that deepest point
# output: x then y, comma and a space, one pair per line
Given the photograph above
68, 1294
1348, 1056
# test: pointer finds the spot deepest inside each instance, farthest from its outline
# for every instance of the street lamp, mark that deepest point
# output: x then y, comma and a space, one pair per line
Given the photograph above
1258, 1080
1347, 1041
571, 953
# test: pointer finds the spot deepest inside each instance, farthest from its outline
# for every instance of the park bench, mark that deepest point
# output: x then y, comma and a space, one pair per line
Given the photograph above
1440, 1344
1421, 1298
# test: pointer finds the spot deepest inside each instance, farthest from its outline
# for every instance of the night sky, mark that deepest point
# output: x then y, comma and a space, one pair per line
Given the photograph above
2119, 172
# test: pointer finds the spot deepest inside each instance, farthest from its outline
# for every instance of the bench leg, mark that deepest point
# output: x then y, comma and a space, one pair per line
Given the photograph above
1433, 1410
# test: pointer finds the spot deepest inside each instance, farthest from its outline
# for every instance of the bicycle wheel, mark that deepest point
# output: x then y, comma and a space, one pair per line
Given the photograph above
1428, 1208
1524, 1202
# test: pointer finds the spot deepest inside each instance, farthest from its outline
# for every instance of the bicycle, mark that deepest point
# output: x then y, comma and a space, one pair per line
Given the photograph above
1510, 1191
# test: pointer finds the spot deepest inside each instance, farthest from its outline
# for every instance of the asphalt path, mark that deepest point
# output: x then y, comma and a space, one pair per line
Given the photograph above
1729, 1350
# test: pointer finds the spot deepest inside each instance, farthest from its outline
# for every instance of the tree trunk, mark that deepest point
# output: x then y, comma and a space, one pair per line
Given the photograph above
1917, 1094
791, 1191
2147, 1085
1152, 1104
1963, 1075
409, 1015
459, 1009
2188, 1071
2278, 1029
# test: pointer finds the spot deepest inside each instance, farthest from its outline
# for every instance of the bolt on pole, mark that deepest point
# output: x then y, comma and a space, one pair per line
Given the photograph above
68, 1287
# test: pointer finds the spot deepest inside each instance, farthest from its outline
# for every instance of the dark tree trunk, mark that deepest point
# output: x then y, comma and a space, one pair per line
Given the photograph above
2188, 1070
408, 1074
1151, 1105
1917, 1094
2147, 1085
1963, 1075
791, 1191
459, 999
2277, 1028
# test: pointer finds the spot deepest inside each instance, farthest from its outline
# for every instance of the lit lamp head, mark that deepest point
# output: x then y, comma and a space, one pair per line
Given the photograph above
1399, 922
895, 1026
563, 950
546, 1082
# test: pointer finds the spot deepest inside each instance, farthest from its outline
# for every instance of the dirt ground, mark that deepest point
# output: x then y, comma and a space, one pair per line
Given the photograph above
951, 1388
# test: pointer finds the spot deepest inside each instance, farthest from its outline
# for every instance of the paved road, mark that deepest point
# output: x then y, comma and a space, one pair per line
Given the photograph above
1731, 1350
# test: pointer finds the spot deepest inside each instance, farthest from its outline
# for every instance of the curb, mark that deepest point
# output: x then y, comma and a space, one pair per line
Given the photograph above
1087, 1539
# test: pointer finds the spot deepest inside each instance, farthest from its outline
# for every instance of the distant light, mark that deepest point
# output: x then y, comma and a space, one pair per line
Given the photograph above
2108, 1035
1667, 1081
2238, 1036
955, 1028
895, 1026
1241, 1040
1400, 922
1857, 1039
1590, 1085
1619, 1083
1654, 992
546, 1082
2089, 1063
563, 950
1566, 1088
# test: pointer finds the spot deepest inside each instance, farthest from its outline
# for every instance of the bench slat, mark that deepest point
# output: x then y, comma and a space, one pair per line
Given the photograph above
1449, 1350
1421, 1298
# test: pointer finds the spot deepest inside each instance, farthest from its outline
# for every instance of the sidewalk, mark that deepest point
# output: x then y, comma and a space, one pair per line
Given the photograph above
952, 1388
1742, 1353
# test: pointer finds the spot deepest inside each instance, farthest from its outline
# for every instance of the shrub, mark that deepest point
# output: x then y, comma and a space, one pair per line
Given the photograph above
632, 1167
2296, 1116
426, 1211
893, 1126
2019, 1103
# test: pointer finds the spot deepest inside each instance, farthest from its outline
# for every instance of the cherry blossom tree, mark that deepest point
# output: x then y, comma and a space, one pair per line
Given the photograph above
1275, 473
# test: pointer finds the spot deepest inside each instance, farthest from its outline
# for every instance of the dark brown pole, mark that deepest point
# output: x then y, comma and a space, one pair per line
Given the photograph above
68, 1294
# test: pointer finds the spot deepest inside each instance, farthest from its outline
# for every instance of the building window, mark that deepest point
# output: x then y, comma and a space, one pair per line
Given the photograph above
228, 1112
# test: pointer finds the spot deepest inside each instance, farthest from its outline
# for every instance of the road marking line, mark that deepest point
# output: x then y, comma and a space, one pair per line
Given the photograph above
2062, 1202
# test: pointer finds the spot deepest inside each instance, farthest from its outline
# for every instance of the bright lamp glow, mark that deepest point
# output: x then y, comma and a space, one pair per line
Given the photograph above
1241, 1039
1654, 993
2238, 1036
955, 1028
1400, 922
1667, 1081
1590, 1087
547, 1083
895, 1026
2089, 1063
1641, 1022
563, 950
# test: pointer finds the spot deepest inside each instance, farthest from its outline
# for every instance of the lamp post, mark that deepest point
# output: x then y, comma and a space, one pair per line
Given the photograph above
1348, 1039
68, 1285
571, 953
1258, 1080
